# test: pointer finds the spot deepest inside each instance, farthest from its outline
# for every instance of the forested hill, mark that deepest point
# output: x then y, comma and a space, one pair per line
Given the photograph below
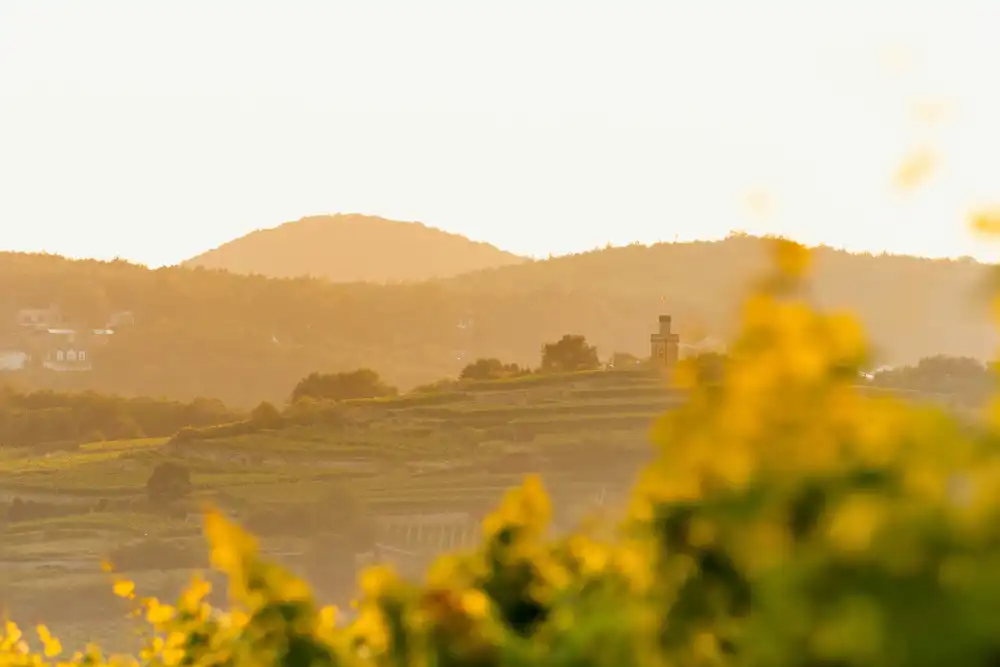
242, 339
349, 248
912, 307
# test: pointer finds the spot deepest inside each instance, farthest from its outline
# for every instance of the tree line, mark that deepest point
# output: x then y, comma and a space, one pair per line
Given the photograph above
29, 418
35, 417
962, 376
569, 354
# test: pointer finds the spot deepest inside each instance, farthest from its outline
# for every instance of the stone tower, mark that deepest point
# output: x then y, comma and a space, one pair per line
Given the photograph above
663, 345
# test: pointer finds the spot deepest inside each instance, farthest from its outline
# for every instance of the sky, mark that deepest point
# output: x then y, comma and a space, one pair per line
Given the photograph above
155, 130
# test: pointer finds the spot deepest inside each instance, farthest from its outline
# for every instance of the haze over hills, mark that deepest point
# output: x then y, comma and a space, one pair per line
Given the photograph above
354, 248
248, 338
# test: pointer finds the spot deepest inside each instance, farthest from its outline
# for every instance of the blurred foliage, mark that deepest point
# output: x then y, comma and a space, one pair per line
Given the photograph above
790, 519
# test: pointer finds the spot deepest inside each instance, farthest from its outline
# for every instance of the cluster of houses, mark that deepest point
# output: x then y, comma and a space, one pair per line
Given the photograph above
42, 338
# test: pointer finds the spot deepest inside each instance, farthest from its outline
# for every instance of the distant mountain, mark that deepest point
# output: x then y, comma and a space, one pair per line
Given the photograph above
354, 248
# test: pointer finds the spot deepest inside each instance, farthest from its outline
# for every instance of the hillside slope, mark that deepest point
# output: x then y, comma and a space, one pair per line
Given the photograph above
243, 339
350, 248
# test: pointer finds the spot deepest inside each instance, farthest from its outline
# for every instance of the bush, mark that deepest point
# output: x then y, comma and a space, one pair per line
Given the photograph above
168, 483
789, 519
362, 383
491, 369
265, 415
569, 354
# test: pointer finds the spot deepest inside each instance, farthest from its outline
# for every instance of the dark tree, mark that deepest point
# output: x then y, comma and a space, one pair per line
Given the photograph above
489, 369
362, 383
169, 482
266, 415
570, 353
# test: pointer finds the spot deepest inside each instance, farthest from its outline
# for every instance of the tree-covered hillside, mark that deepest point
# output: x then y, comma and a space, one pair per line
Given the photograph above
244, 339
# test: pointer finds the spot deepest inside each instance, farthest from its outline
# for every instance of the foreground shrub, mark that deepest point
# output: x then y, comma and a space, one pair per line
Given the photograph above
790, 519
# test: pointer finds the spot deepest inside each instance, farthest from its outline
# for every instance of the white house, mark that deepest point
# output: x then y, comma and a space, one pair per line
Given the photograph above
67, 360
65, 352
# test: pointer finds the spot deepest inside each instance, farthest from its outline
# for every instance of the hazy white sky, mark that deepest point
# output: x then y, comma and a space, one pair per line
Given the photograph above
155, 130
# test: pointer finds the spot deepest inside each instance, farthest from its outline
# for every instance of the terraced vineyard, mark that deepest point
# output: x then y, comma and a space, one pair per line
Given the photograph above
408, 460
426, 467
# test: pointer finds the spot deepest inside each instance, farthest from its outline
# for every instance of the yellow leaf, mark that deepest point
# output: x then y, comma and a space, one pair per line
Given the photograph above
51, 645
53, 648
375, 580
12, 633
855, 523
124, 589
230, 546
159, 613
173, 656
192, 596
328, 616
475, 603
